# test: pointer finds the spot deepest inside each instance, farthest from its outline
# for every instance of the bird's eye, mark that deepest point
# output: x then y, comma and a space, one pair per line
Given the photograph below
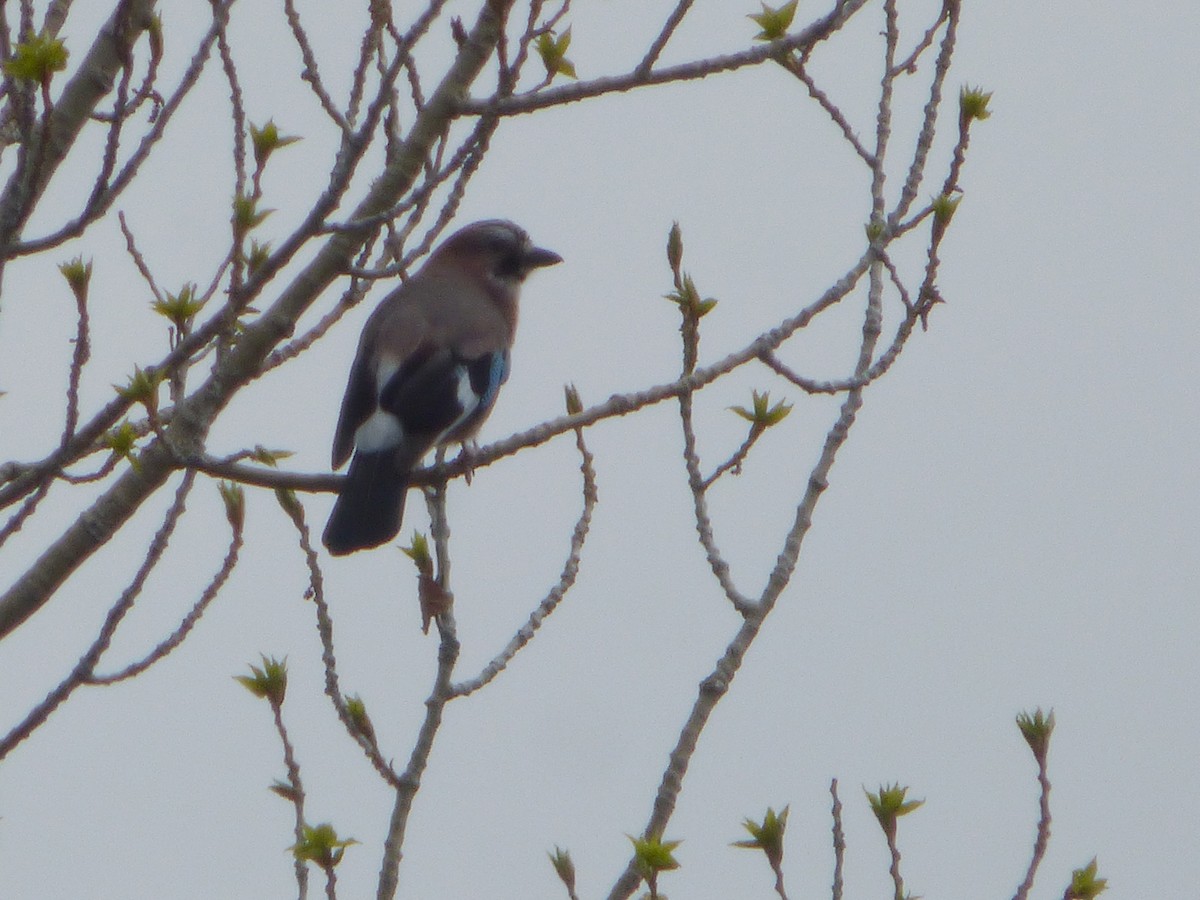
508, 262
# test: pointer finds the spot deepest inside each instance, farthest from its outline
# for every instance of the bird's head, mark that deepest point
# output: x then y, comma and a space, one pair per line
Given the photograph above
496, 250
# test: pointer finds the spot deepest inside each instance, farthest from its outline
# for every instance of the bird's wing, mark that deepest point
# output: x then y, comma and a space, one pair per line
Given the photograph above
487, 374
356, 407
433, 356
393, 331
438, 396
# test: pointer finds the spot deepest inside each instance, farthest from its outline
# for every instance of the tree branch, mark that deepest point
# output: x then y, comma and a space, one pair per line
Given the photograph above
194, 416
78, 101
582, 90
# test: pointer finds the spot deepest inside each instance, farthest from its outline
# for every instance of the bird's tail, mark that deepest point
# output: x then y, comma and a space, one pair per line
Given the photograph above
370, 506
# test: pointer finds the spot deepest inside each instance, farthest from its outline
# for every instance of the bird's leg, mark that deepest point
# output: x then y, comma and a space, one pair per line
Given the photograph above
466, 458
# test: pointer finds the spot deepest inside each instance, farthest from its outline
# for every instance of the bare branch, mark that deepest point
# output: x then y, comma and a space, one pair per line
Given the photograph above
1042, 841
690, 333
439, 696
242, 364
798, 67
656, 48
78, 100
79, 358
565, 582
582, 90
369, 48
734, 463
316, 592
916, 170
21, 516
236, 105
839, 842
894, 868
189, 621
138, 259
909, 63
883, 116
101, 202
56, 15
85, 667
296, 790
714, 687
310, 73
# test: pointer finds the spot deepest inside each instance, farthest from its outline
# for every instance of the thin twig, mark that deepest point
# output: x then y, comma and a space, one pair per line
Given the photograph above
894, 867
138, 259
839, 842
838, 386
690, 334
916, 171
1042, 841
21, 516
296, 791
964, 122
237, 107
582, 90
717, 683
448, 649
105, 469
103, 202
415, 199
237, 112
79, 359
656, 48
116, 122
369, 47
554, 597
798, 66
734, 463
316, 592
510, 70
189, 621
310, 72
909, 64
476, 149
883, 116
616, 406
714, 687
146, 90
86, 665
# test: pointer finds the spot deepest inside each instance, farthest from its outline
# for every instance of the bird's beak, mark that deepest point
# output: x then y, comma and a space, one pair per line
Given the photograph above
537, 258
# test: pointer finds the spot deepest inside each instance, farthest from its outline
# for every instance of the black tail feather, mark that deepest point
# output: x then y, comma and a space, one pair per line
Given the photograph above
370, 507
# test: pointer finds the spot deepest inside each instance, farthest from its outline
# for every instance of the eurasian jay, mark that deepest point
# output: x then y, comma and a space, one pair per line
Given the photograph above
430, 362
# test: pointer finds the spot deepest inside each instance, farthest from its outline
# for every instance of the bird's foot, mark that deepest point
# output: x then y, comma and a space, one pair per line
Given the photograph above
468, 450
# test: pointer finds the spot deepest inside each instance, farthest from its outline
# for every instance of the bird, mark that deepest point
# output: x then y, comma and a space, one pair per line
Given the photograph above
431, 359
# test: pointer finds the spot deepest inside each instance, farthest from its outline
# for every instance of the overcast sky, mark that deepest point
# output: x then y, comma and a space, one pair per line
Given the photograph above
1012, 523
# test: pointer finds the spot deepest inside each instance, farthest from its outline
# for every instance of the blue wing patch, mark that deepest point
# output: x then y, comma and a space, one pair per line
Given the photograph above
487, 374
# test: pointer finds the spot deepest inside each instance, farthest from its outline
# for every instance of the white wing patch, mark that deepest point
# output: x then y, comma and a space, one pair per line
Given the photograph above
382, 431
467, 399
384, 370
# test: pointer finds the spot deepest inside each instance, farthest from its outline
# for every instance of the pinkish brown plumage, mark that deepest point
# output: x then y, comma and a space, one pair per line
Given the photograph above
430, 362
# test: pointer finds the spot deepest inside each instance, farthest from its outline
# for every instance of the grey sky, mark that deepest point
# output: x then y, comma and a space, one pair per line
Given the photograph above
1013, 522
